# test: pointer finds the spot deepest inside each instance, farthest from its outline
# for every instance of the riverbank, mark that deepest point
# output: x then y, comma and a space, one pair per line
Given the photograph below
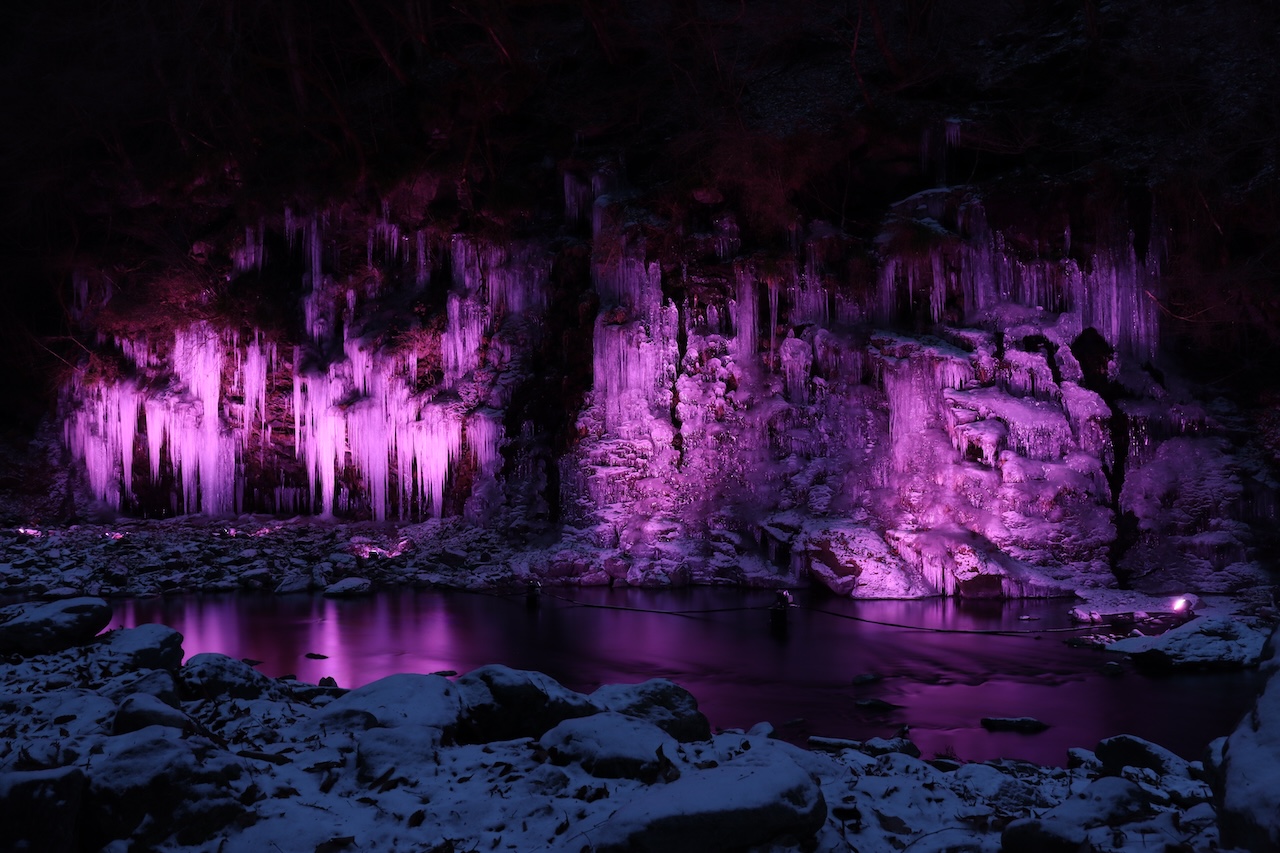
507, 759
139, 558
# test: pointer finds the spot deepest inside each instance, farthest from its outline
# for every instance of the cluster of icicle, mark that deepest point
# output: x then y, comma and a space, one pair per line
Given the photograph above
364, 431
1113, 291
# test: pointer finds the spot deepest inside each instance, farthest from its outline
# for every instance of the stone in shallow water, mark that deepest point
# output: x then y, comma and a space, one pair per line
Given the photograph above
1202, 643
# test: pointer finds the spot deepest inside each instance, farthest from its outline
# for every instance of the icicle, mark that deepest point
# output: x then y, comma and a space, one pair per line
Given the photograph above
797, 364
773, 319
250, 256
484, 437
422, 266
465, 324
743, 313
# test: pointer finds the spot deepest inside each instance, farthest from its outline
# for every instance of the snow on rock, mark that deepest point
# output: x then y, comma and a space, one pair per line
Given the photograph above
214, 676
954, 561
349, 587
1122, 751
405, 699
609, 745
1248, 770
720, 809
261, 764
857, 562
51, 626
140, 710
508, 703
192, 782
1202, 643
1083, 821
658, 701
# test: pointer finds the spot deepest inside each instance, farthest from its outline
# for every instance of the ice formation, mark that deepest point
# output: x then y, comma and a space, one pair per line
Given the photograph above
986, 452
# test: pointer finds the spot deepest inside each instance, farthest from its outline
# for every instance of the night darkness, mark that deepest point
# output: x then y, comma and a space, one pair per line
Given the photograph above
955, 318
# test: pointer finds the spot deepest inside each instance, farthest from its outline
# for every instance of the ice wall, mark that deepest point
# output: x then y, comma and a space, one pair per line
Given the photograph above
211, 408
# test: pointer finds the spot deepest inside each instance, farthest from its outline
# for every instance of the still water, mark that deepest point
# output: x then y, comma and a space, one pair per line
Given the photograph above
932, 675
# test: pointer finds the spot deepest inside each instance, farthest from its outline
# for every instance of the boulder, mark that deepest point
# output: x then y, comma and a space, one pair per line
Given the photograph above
404, 753
215, 676
144, 647
505, 703
52, 626
1108, 801
1248, 770
720, 809
154, 682
1202, 643
664, 703
1026, 725
405, 699
611, 746
1122, 751
142, 709
149, 786
42, 809
349, 588
885, 746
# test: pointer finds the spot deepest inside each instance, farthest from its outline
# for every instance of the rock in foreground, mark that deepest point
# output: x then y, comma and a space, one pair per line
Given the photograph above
114, 742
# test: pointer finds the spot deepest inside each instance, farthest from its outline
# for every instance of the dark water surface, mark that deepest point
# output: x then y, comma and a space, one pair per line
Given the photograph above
943, 680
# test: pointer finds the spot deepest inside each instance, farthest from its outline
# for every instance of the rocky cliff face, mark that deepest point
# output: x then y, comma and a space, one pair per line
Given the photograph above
873, 346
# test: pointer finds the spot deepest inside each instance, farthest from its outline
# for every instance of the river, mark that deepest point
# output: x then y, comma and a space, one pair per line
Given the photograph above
841, 669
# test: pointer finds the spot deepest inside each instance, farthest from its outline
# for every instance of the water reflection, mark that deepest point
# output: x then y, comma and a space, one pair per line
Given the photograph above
932, 676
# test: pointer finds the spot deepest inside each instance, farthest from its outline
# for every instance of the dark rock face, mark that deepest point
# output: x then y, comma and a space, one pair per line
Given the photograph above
43, 809
52, 626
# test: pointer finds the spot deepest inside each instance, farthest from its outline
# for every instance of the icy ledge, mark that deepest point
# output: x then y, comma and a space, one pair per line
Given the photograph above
116, 745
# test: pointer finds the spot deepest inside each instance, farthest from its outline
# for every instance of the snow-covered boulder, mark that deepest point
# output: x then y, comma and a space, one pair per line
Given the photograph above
1122, 751
51, 626
387, 756
720, 809
1249, 769
665, 704
349, 588
611, 746
405, 699
1106, 803
215, 676
142, 709
1202, 643
505, 703
147, 646
150, 785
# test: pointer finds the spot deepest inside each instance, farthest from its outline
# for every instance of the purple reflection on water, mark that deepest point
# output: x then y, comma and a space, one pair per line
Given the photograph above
742, 673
